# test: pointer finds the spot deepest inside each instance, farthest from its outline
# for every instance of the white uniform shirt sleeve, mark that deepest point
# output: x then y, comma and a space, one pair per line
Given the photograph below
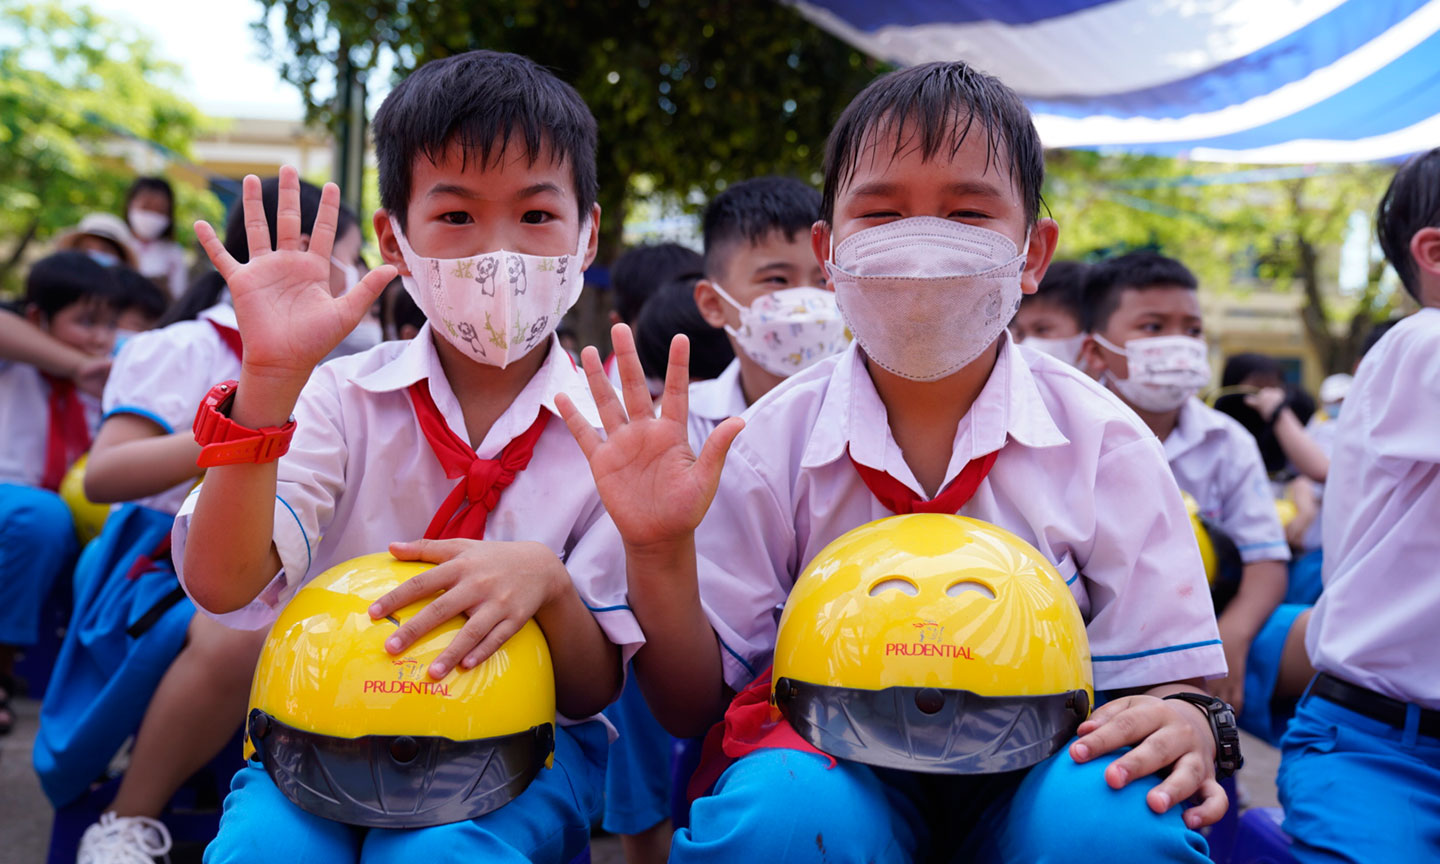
1150, 619
1402, 414
1248, 511
149, 375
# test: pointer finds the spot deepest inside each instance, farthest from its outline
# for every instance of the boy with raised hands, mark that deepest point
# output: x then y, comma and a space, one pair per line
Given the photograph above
929, 233
488, 214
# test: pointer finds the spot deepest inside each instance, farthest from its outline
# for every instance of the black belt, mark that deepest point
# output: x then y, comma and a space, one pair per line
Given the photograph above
1372, 704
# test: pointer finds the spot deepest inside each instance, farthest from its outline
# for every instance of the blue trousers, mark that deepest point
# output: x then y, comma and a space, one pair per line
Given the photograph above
1355, 789
637, 775
37, 545
549, 822
785, 805
1265, 716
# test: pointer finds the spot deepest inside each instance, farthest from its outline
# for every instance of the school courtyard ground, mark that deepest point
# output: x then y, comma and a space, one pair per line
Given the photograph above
25, 815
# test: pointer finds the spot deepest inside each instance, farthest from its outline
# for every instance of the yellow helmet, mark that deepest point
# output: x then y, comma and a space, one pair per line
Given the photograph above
1286, 510
89, 517
351, 733
1202, 537
933, 643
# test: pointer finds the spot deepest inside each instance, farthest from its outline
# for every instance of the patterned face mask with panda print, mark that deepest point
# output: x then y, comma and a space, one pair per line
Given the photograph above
498, 306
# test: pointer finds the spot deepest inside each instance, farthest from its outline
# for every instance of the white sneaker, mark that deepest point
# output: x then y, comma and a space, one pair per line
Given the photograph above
124, 840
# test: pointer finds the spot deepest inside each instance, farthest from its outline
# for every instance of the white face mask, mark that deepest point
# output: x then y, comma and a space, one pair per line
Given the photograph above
1164, 370
147, 224
1066, 350
788, 330
498, 306
925, 296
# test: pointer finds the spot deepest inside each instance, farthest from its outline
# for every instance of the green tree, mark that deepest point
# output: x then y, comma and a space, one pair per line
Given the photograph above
73, 84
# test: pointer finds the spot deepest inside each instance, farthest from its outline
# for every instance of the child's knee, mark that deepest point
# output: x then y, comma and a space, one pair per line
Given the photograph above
260, 824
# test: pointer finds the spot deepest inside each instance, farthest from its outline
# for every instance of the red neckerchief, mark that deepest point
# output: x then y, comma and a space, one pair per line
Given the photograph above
69, 434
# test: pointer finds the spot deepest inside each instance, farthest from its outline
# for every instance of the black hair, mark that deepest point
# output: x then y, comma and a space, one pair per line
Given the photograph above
140, 293
1376, 332
751, 209
943, 101
1133, 271
1238, 367
640, 271
1411, 203
398, 308
153, 184
480, 100
1064, 287
205, 291
671, 311
64, 279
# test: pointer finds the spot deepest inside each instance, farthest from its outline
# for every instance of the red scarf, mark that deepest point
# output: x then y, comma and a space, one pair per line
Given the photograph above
465, 509
751, 723
69, 434
231, 337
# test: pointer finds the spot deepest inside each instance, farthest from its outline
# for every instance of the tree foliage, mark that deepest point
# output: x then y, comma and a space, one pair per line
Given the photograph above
72, 84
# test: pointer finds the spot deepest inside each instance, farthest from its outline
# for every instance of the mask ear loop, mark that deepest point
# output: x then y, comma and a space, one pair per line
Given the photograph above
1106, 343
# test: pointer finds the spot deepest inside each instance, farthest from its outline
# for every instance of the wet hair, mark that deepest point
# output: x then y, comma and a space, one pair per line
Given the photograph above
139, 293
749, 211
59, 281
1411, 203
1133, 271
938, 105
205, 291
153, 184
640, 271
482, 101
671, 311
1064, 288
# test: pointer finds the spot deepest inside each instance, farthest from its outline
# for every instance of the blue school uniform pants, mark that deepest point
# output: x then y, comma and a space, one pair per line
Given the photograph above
637, 775
37, 545
549, 823
787, 805
1264, 715
1356, 789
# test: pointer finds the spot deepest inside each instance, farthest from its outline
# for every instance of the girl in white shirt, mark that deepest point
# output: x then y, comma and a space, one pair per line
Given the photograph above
150, 213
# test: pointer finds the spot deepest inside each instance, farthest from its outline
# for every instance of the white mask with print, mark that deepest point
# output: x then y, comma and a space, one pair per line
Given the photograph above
1164, 370
147, 224
788, 330
924, 296
498, 306
1066, 350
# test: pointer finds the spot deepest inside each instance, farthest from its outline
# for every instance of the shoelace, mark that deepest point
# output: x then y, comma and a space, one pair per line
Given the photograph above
124, 840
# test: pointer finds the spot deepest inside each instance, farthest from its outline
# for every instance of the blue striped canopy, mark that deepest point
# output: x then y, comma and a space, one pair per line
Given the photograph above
1272, 81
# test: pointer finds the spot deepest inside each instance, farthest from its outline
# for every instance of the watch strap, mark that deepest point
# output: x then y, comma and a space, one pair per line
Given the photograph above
225, 442
1223, 727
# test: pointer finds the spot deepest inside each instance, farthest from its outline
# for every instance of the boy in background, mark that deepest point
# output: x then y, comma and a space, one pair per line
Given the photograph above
1052, 320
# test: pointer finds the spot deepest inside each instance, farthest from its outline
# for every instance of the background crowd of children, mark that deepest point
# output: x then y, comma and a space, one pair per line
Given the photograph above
113, 345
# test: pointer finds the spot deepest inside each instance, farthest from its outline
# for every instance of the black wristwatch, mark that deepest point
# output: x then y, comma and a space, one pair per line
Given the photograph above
1222, 725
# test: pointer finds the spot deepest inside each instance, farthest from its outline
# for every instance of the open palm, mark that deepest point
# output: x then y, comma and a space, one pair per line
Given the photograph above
653, 485
288, 318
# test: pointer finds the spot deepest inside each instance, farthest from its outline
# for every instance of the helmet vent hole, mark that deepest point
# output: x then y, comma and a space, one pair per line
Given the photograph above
894, 583
965, 585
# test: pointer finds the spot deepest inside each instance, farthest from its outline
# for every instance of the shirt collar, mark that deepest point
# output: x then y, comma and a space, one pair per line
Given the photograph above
1195, 423
723, 396
852, 417
222, 314
419, 361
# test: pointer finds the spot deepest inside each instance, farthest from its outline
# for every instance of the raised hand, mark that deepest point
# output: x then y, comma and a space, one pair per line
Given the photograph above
653, 485
288, 318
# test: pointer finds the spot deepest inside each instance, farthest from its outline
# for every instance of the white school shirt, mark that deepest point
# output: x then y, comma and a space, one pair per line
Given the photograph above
25, 422
1219, 464
162, 375
1322, 432
1377, 623
360, 474
162, 260
1079, 477
712, 401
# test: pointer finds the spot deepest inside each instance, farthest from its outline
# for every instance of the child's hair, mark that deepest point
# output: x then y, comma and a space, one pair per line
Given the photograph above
1411, 203
63, 279
640, 271
479, 101
751, 209
1063, 287
1377, 331
942, 103
139, 293
672, 310
398, 309
1133, 271
205, 291
154, 184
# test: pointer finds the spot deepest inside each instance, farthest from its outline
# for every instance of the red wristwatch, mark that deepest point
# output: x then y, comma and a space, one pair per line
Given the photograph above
225, 442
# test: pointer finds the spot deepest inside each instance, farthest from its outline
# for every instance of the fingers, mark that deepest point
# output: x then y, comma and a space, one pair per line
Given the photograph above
1101, 715
493, 641
1213, 804
612, 413
257, 230
417, 587
1185, 779
580, 428
322, 236
471, 634
1126, 727
358, 300
632, 376
431, 551
287, 215
675, 402
220, 258
712, 456
1159, 750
